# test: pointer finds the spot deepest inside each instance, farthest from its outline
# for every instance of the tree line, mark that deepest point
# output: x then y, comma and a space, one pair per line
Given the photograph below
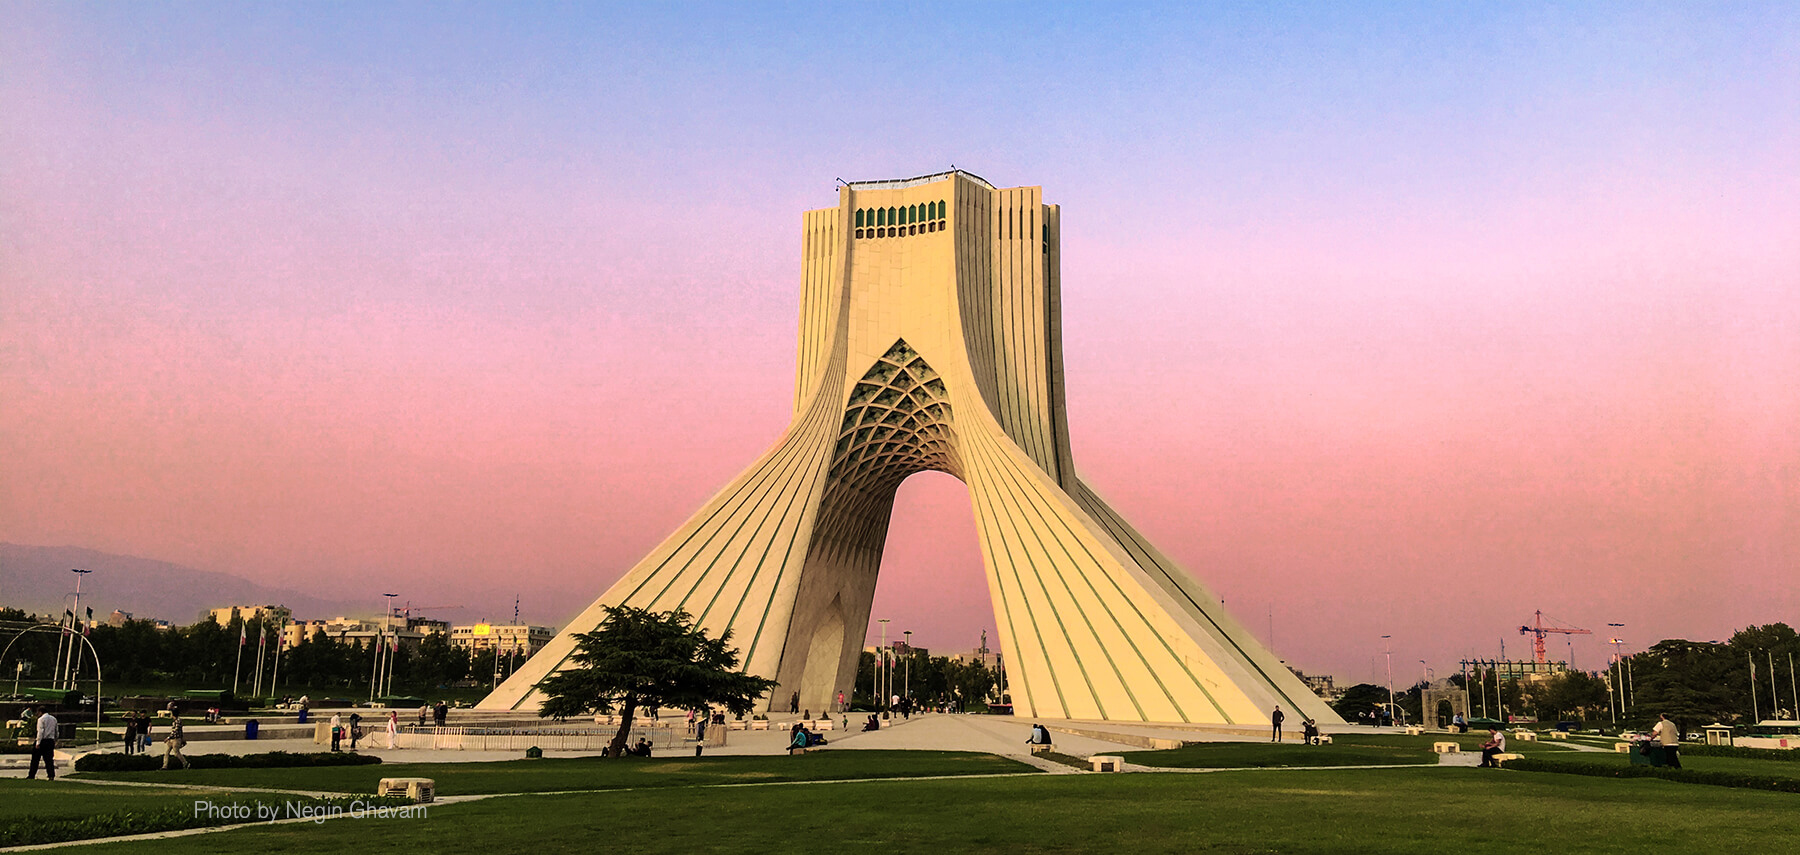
1695, 682
138, 653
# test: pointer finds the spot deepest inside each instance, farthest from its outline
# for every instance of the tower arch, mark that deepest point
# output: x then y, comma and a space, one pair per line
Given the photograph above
942, 352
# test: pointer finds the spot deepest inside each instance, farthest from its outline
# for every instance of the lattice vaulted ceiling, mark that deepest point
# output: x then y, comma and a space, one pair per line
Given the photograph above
897, 422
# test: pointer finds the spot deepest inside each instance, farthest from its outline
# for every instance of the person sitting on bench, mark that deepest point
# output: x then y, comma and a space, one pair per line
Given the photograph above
1309, 729
874, 723
1040, 735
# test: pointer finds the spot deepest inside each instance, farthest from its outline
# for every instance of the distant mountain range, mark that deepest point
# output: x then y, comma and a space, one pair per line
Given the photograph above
37, 579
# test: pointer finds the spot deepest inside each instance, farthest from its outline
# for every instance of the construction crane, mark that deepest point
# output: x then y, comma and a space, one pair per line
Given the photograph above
1537, 644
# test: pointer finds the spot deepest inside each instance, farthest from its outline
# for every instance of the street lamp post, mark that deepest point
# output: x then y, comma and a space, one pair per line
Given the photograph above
1618, 668
906, 681
881, 698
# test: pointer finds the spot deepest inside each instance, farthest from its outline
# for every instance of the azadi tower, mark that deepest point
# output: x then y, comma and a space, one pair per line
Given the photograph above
930, 338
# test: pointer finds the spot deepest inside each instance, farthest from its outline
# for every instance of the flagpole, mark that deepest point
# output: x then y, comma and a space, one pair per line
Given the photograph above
239, 667
280, 643
262, 649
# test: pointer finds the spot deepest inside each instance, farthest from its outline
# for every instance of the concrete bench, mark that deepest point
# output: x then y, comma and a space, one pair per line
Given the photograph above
1040, 749
1500, 759
1107, 763
1446, 748
823, 724
1559, 734
1621, 748
1525, 736
418, 789
1323, 739
1414, 730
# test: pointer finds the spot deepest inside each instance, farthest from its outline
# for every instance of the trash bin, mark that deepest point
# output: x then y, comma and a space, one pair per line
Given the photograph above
250, 729
303, 715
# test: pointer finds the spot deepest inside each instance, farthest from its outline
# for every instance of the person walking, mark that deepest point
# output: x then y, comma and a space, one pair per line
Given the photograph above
1669, 735
393, 729
44, 747
1275, 719
355, 729
174, 742
423, 710
337, 729
131, 733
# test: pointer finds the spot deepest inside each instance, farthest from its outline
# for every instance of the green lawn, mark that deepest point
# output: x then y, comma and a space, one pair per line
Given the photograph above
1467, 741
1424, 810
66, 809
1236, 755
1347, 749
592, 773
1738, 765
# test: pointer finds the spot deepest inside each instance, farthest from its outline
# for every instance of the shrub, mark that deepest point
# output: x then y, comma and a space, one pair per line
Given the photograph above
1791, 755
1599, 769
272, 760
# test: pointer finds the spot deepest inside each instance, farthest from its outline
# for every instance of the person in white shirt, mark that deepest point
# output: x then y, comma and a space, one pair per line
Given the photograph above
45, 747
1496, 744
1669, 735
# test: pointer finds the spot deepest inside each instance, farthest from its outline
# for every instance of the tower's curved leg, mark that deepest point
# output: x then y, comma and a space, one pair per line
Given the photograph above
1091, 626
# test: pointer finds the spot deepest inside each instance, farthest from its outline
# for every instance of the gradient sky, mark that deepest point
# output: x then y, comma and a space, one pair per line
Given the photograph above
1389, 319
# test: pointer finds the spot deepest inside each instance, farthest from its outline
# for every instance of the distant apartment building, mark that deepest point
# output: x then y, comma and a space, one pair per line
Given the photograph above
410, 631
224, 615
1321, 684
506, 638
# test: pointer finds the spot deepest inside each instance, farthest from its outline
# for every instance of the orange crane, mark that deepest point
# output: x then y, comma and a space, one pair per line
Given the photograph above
1537, 644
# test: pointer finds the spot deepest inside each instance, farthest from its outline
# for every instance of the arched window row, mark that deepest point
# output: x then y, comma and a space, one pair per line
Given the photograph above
901, 220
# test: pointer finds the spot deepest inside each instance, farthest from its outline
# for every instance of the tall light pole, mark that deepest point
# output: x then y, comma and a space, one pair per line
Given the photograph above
394, 651
906, 684
1619, 668
881, 658
74, 618
1390, 675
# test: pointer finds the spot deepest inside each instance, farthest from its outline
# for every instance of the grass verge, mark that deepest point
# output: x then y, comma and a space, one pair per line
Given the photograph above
33, 812
594, 773
1428, 811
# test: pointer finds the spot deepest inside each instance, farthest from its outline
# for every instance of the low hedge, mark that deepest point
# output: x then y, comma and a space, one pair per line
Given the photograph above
1791, 755
33, 830
1685, 776
110, 762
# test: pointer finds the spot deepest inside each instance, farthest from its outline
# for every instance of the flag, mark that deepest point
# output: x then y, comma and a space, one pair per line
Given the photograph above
241, 635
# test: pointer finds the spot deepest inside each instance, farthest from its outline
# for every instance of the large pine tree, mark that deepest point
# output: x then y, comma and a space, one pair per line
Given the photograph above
640, 658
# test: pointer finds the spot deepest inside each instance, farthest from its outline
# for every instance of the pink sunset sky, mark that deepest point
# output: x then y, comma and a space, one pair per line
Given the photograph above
1383, 320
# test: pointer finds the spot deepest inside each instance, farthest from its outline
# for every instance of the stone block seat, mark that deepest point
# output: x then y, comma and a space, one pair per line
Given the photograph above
1559, 734
1446, 748
1107, 763
1040, 749
1622, 748
1525, 736
1502, 758
1414, 730
418, 789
